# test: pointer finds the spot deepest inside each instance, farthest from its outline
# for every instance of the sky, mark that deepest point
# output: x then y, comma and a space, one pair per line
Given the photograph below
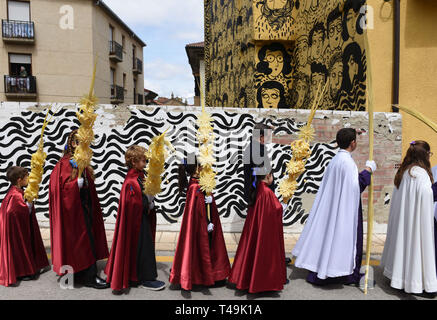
166, 26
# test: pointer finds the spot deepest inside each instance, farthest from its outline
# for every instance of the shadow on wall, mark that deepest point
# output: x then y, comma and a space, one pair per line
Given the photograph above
421, 24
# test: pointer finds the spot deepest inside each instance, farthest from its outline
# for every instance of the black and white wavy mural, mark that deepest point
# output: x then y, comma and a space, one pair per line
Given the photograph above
19, 136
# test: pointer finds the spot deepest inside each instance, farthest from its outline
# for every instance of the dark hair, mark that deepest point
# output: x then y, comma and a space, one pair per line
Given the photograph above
263, 66
354, 5
319, 68
318, 27
333, 15
345, 136
272, 85
337, 57
417, 155
351, 50
255, 180
13, 174
186, 169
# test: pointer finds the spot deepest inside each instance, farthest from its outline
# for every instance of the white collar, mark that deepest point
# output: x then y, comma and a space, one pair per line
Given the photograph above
345, 151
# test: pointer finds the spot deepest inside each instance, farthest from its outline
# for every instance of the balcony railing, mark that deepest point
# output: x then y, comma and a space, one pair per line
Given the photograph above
117, 94
115, 51
18, 31
138, 66
140, 99
20, 86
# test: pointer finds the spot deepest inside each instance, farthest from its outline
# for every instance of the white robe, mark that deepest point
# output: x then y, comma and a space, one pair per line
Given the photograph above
434, 173
408, 258
327, 244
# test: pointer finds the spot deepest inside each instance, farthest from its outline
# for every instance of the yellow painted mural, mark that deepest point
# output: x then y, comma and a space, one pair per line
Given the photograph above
277, 53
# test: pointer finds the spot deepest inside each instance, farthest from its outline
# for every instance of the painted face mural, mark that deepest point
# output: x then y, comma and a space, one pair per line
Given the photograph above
302, 51
351, 23
317, 38
301, 88
353, 68
335, 80
275, 59
276, 4
334, 33
270, 98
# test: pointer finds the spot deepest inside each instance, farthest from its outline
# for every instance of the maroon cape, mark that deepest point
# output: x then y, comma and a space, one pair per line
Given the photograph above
70, 242
22, 250
122, 264
195, 262
259, 264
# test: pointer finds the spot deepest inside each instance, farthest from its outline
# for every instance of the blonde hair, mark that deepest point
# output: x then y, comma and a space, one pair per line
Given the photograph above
133, 154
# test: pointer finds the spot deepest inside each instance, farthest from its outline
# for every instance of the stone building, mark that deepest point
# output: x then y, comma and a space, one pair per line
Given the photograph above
48, 48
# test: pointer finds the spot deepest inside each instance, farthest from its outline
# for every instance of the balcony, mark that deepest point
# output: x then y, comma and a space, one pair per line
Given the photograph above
20, 87
140, 99
117, 94
18, 31
138, 66
115, 51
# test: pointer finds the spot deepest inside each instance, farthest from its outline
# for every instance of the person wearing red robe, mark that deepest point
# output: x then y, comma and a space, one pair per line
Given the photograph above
259, 263
77, 231
201, 257
22, 252
132, 260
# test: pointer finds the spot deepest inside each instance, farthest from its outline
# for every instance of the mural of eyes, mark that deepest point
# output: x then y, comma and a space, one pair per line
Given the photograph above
275, 60
270, 98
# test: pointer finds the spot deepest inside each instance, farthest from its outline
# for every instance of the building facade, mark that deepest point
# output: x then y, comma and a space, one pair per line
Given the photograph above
48, 49
277, 53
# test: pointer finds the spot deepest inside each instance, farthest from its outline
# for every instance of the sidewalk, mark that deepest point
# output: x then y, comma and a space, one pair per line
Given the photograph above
166, 241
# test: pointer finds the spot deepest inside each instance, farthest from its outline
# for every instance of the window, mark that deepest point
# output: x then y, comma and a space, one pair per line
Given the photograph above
111, 33
19, 10
133, 51
20, 65
124, 81
123, 43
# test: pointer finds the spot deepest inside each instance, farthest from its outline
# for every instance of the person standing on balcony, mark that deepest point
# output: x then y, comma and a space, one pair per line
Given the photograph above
23, 72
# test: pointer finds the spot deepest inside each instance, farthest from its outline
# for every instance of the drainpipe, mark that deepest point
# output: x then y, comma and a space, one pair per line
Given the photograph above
396, 56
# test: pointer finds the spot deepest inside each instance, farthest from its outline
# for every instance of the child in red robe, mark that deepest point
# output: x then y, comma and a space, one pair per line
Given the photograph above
259, 263
77, 231
201, 257
22, 253
132, 260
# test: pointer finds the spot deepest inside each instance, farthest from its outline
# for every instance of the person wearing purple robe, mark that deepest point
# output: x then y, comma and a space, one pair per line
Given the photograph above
331, 244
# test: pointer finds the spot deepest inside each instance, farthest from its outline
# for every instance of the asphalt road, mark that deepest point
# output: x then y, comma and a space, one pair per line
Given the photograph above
48, 288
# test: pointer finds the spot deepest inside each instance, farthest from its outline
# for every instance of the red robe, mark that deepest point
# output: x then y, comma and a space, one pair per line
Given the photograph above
22, 251
195, 262
70, 243
122, 264
259, 264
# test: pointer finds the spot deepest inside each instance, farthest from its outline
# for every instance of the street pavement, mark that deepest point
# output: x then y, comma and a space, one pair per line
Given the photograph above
47, 287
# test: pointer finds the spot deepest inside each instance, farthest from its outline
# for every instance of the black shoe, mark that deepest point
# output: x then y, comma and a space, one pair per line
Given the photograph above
286, 282
27, 278
287, 261
98, 283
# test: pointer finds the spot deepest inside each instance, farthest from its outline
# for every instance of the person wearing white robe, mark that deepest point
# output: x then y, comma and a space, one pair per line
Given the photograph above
408, 259
330, 245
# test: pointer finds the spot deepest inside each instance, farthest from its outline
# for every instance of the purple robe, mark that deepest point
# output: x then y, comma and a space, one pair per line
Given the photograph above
354, 278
